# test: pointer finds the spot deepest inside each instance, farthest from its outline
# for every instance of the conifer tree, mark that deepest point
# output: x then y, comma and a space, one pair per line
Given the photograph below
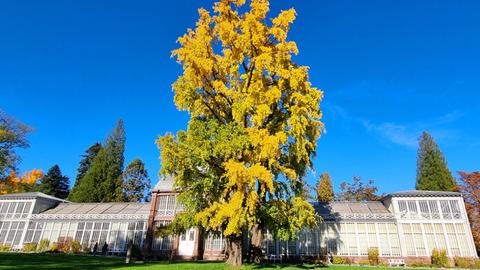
254, 122
86, 161
432, 170
54, 183
325, 189
136, 183
103, 180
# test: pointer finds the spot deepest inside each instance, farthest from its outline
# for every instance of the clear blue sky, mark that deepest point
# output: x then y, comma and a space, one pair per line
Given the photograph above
389, 69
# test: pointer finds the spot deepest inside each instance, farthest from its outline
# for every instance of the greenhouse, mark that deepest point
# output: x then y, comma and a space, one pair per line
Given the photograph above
407, 225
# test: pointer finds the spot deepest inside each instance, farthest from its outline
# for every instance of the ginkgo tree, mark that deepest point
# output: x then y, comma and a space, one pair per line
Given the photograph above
255, 119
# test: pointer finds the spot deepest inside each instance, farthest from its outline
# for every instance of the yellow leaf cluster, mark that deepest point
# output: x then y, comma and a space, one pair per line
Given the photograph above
239, 211
238, 68
14, 183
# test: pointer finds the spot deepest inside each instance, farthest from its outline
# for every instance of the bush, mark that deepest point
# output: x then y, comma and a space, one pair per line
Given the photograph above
75, 246
54, 248
419, 264
43, 246
373, 256
65, 247
4, 248
30, 247
339, 260
439, 258
467, 263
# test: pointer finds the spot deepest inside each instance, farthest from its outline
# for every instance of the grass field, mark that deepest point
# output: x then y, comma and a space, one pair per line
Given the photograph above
64, 261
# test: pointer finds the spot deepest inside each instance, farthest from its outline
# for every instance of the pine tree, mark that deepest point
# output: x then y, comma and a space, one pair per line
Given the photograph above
432, 170
86, 162
103, 181
136, 182
325, 188
54, 183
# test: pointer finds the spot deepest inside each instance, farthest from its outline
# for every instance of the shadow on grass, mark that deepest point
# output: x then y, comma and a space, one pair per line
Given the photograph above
56, 261
282, 265
19, 261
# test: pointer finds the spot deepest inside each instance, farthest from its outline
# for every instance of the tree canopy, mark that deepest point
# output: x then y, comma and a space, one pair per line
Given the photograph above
86, 162
136, 183
254, 122
54, 183
325, 189
470, 187
13, 135
25, 183
432, 171
358, 190
103, 180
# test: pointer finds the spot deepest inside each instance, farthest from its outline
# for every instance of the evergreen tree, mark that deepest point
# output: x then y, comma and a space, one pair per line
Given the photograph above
54, 183
86, 162
103, 181
136, 182
432, 170
325, 188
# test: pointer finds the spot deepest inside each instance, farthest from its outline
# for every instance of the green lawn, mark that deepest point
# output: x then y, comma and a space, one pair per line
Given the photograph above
64, 261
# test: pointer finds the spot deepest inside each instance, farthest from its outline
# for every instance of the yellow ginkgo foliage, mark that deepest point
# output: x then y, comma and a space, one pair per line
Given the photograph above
255, 121
15, 183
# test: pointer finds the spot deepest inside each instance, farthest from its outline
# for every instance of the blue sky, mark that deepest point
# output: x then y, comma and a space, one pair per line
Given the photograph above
389, 70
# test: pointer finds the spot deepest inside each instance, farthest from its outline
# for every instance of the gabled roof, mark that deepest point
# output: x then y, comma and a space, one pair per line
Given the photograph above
30, 195
99, 209
165, 184
344, 208
424, 193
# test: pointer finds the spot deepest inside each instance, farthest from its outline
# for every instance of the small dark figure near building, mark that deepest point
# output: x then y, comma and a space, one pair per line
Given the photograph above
104, 249
95, 249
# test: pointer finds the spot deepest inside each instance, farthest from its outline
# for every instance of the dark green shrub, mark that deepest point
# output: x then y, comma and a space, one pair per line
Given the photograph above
439, 258
373, 255
30, 247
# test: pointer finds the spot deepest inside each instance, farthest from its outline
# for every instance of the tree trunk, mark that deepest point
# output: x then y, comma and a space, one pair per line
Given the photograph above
256, 244
200, 243
233, 248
